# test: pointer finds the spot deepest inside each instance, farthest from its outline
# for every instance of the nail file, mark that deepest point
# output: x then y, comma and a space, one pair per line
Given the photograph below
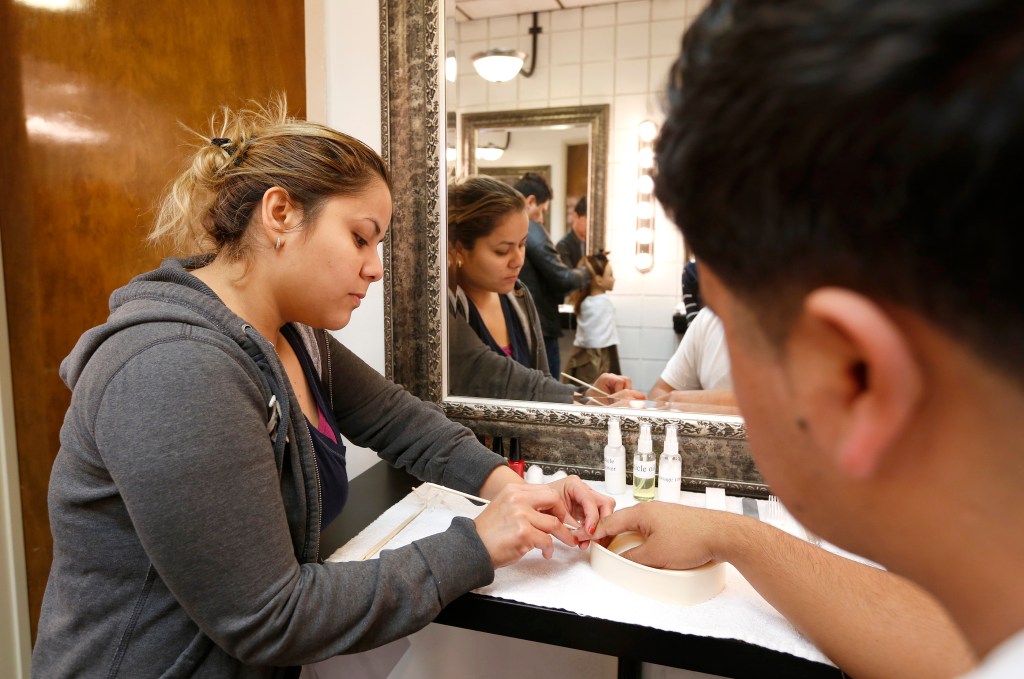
714, 498
750, 508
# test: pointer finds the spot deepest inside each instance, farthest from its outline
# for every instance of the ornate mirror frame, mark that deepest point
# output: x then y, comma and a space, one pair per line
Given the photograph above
595, 117
571, 437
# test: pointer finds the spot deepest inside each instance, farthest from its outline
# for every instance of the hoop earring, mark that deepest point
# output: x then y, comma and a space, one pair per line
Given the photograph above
277, 245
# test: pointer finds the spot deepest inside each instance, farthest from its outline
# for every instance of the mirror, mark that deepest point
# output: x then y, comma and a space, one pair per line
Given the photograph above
413, 142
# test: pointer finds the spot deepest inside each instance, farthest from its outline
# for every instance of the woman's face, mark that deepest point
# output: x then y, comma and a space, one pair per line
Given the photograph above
331, 265
494, 262
606, 281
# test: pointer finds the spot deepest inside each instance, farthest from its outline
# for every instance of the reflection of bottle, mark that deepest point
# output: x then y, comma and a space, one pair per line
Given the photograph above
644, 464
614, 460
515, 458
498, 445
670, 467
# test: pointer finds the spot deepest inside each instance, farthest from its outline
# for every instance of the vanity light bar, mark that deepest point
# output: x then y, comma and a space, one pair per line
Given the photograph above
643, 259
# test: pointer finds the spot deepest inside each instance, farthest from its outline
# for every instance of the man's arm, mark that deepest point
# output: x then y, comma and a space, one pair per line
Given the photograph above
870, 622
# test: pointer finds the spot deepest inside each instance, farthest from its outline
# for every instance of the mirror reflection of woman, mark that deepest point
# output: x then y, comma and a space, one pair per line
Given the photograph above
487, 230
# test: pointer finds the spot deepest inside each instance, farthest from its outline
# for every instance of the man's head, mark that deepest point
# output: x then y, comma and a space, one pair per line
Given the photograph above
537, 192
578, 219
846, 174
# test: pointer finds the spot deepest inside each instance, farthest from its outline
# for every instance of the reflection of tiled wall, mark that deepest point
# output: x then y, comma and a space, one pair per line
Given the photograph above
618, 54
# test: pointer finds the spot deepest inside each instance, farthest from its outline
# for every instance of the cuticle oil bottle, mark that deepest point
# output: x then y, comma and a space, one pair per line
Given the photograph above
670, 467
644, 466
614, 460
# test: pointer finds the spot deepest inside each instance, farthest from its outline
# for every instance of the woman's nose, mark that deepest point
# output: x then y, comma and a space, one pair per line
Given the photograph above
373, 268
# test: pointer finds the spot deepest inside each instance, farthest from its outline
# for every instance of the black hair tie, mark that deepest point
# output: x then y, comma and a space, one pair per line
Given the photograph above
220, 141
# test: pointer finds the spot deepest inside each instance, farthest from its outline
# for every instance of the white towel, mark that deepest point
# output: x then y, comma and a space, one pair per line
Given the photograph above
568, 582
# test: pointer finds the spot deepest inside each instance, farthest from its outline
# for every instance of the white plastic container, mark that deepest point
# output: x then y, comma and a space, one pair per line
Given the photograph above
614, 460
644, 466
670, 467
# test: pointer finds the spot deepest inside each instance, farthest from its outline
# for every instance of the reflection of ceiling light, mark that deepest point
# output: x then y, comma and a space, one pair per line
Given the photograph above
644, 210
451, 66
55, 5
647, 130
450, 155
63, 129
645, 158
645, 183
498, 65
489, 153
644, 235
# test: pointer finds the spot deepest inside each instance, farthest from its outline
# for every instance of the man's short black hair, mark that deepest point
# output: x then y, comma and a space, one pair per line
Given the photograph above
872, 145
533, 184
581, 207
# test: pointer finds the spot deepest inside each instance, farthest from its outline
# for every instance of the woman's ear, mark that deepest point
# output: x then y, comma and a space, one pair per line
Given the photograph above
855, 377
278, 214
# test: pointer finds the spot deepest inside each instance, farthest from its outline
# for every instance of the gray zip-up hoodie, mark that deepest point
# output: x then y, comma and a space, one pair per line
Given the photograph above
186, 536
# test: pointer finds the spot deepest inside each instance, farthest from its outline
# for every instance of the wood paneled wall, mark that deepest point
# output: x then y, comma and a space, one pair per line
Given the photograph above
89, 136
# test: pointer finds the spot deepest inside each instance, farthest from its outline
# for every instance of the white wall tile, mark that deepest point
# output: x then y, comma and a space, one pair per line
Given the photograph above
631, 110
628, 308
472, 30
501, 94
599, 15
631, 76
657, 311
500, 27
566, 47
598, 44
667, 9
535, 88
695, 7
565, 80
599, 79
472, 90
666, 36
566, 20
631, 40
555, 102
660, 69
634, 12
543, 50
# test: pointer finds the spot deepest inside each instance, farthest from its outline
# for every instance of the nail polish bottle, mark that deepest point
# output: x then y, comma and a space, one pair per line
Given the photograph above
498, 445
515, 457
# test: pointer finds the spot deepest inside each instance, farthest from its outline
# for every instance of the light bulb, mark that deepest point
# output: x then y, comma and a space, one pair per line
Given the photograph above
489, 153
498, 65
643, 261
645, 183
647, 130
644, 209
645, 158
644, 235
451, 67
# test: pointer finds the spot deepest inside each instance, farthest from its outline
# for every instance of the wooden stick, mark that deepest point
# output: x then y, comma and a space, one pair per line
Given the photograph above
586, 384
387, 538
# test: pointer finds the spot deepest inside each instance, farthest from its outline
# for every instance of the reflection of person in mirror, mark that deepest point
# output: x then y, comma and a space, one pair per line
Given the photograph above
868, 152
692, 300
573, 244
596, 346
544, 273
202, 454
698, 372
487, 233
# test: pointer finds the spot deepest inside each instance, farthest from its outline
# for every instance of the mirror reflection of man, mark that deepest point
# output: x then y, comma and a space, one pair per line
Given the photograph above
573, 245
544, 273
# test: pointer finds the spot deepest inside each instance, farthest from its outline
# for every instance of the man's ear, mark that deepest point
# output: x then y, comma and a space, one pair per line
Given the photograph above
854, 376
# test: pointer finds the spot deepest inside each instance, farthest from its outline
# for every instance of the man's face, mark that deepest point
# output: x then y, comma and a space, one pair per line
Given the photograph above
536, 210
783, 452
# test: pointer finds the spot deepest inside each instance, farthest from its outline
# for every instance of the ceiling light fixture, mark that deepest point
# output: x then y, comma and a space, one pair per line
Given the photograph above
500, 65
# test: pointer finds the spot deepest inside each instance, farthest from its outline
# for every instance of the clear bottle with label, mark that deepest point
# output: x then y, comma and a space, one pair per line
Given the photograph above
614, 460
670, 467
644, 466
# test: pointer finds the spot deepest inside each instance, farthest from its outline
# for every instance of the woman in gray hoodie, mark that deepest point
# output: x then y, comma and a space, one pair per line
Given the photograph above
202, 453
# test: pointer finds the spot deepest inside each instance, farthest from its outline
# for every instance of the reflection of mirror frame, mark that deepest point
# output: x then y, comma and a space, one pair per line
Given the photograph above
595, 117
714, 447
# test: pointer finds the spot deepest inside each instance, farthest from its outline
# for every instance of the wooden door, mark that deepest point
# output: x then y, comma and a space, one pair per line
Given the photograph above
92, 93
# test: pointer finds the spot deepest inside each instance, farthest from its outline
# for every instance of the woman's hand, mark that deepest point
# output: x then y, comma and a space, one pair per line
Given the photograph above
675, 536
522, 517
586, 506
